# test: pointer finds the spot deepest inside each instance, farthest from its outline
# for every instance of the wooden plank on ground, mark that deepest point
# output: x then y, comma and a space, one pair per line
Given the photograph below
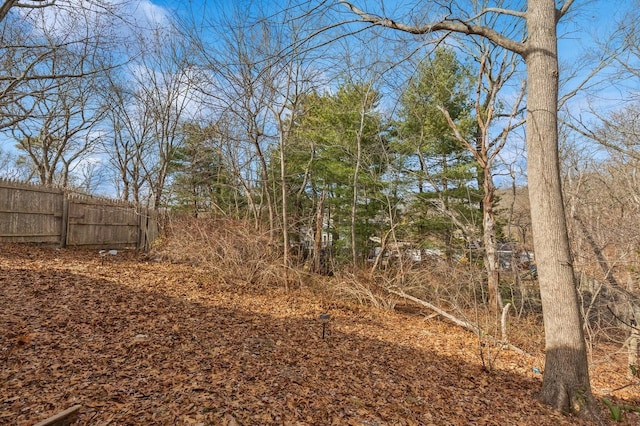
64, 418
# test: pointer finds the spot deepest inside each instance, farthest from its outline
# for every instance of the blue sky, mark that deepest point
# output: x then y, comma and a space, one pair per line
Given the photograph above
588, 25
589, 20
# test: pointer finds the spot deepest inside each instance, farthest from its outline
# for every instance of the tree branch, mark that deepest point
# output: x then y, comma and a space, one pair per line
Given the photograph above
501, 12
444, 25
601, 65
460, 138
6, 6
457, 321
563, 10
474, 328
502, 139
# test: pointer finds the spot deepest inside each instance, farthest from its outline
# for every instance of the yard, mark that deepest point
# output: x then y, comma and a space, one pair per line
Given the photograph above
141, 341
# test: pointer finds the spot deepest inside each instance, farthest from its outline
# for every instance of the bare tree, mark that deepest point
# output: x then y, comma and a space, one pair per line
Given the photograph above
164, 81
33, 33
64, 125
55, 114
603, 203
239, 88
9, 166
291, 78
495, 70
566, 380
128, 126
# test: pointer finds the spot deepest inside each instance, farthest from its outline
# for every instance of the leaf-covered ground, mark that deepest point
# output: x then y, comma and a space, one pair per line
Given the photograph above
138, 342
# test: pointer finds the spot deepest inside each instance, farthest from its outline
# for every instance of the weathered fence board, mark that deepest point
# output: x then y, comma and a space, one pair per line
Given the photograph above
91, 222
29, 213
38, 214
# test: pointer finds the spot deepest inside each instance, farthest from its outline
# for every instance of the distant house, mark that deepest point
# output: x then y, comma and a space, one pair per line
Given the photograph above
398, 250
513, 252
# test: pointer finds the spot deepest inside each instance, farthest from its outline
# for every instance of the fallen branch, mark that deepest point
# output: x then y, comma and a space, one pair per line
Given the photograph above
63, 418
503, 323
474, 328
457, 321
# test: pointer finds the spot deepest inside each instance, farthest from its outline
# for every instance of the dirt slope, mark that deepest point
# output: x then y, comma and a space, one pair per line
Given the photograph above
138, 342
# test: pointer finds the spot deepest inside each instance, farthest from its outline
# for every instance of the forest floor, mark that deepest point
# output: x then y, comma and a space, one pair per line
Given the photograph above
140, 342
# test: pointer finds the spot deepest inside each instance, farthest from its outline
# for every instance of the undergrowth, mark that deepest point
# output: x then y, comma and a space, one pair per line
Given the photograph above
235, 253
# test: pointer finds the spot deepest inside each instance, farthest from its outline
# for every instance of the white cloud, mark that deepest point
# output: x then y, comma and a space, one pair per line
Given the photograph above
148, 14
68, 19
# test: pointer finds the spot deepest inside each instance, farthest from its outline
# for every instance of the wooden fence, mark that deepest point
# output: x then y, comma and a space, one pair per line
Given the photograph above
38, 214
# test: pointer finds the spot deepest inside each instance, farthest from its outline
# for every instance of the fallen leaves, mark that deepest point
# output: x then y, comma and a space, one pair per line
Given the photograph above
152, 343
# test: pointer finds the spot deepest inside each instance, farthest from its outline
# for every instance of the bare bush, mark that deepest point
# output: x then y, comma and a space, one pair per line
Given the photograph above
364, 289
457, 293
232, 251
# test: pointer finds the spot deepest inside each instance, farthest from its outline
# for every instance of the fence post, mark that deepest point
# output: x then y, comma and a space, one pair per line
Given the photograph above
65, 220
147, 217
140, 229
143, 229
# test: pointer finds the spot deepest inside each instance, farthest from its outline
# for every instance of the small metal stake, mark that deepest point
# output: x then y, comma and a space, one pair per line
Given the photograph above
324, 318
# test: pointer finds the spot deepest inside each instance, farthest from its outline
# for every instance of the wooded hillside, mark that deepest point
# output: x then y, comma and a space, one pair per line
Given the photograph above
138, 340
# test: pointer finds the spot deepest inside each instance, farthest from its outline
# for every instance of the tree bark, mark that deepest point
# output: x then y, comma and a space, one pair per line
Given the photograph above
317, 240
356, 173
566, 377
490, 243
284, 194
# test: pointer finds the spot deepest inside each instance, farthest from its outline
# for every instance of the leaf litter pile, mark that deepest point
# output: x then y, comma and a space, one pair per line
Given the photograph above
139, 342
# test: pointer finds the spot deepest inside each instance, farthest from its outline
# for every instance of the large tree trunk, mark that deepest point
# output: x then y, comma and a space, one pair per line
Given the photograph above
566, 377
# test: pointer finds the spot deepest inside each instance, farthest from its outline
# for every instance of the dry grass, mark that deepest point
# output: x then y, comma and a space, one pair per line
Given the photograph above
233, 252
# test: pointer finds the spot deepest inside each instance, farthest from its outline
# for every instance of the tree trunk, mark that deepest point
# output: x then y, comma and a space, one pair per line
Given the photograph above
264, 174
284, 193
489, 241
317, 240
354, 204
566, 377
634, 344
356, 174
